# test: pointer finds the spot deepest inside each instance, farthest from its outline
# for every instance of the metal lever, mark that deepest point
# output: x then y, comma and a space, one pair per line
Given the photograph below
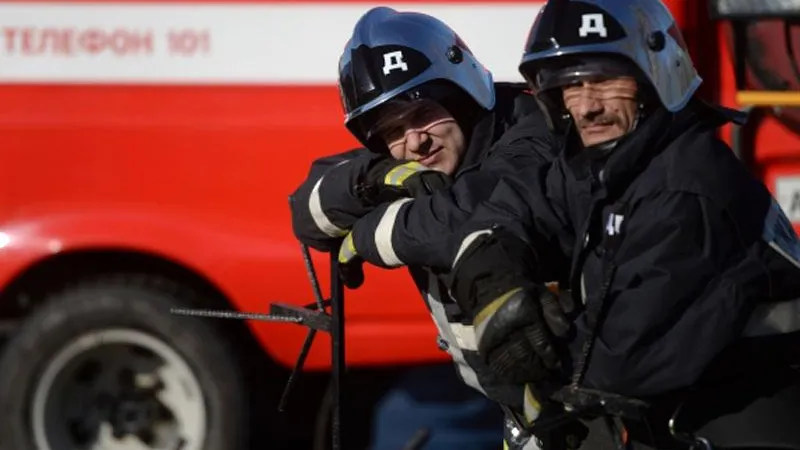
606, 402
324, 325
316, 319
582, 402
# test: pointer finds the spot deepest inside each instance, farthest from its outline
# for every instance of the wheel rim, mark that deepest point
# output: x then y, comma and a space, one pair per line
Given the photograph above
118, 389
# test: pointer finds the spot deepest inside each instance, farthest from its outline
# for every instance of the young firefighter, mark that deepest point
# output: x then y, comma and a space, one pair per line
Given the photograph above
438, 134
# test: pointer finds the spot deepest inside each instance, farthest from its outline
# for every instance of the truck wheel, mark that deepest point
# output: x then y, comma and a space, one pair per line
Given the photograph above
104, 365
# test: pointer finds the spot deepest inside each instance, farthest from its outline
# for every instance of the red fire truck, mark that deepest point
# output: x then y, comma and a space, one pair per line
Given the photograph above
148, 149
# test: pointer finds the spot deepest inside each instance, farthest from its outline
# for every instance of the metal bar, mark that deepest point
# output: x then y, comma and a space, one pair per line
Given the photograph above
740, 47
298, 367
753, 9
768, 98
312, 277
316, 320
290, 317
337, 353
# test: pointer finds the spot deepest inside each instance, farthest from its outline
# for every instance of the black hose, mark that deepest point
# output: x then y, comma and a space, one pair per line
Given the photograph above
322, 423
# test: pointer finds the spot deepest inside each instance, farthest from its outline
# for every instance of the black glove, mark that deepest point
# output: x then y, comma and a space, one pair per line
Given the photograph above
516, 320
388, 180
352, 273
515, 333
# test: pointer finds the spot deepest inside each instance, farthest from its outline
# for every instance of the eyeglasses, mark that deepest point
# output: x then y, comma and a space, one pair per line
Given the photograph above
398, 118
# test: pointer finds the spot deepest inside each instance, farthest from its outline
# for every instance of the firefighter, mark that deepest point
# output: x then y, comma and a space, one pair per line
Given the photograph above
438, 135
681, 260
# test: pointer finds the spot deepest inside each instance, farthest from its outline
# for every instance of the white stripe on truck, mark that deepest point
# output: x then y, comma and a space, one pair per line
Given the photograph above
222, 43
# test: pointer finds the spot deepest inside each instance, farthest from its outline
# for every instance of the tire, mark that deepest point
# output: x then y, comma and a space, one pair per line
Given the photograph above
104, 362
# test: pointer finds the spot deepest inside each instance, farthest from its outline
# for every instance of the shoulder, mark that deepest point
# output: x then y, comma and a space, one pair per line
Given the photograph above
701, 164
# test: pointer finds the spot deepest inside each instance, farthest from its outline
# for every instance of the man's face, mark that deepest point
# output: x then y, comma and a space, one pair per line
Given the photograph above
427, 133
603, 110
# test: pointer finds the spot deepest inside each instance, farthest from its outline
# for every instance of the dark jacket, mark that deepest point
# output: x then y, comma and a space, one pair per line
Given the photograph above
671, 245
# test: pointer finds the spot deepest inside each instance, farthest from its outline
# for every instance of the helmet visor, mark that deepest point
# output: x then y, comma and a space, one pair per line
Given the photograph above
576, 69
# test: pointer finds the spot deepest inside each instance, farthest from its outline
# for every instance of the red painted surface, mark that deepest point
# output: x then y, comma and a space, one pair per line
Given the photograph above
201, 176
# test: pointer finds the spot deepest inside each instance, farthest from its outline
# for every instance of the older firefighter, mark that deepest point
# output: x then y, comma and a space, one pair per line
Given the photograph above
683, 266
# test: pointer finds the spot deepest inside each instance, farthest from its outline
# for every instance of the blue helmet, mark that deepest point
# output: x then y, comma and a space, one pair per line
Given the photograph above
572, 39
411, 55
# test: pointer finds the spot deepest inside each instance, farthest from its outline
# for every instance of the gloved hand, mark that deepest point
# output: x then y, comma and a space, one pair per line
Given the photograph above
387, 180
515, 332
517, 321
390, 179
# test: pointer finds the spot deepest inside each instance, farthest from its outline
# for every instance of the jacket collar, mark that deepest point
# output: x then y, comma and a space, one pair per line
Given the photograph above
486, 132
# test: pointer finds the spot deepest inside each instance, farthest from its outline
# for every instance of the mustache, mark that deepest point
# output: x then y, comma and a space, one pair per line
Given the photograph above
597, 120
